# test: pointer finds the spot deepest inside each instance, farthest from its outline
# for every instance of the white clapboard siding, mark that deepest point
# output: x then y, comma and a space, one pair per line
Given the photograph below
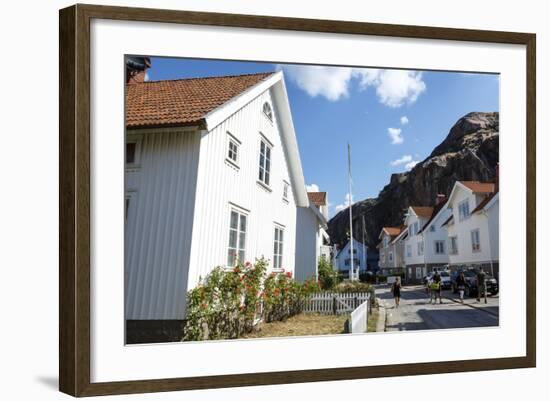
307, 244
359, 318
158, 234
334, 302
222, 186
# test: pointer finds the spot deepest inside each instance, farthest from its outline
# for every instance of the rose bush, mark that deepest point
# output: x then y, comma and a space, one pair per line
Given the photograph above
227, 303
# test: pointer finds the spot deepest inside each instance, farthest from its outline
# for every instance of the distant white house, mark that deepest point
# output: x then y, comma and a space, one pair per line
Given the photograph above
473, 226
212, 176
425, 247
390, 249
344, 256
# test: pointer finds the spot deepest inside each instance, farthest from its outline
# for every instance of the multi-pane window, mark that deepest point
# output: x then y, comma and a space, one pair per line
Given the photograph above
391, 256
439, 247
268, 111
413, 229
453, 245
233, 150
237, 238
265, 162
476, 244
420, 249
463, 210
409, 251
278, 248
285, 190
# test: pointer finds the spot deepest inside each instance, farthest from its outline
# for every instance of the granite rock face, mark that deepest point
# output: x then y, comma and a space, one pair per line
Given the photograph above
469, 152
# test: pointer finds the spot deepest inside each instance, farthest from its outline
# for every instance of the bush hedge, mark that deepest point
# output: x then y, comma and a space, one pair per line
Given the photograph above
227, 303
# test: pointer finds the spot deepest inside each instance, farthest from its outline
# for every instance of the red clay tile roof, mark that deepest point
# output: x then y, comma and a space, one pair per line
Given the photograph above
317, 198
423, 211
484, 202
479, 187
182, 101
392, 231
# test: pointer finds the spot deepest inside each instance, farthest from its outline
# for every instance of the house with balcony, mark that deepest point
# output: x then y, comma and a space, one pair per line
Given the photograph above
473, 226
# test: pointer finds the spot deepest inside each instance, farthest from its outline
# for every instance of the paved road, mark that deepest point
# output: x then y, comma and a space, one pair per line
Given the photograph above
416, 313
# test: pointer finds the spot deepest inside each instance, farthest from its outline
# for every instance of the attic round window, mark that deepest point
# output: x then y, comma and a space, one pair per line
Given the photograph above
267, 111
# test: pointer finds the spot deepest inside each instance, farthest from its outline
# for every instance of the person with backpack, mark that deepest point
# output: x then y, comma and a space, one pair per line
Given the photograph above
481, 284
435, 287
461, 285
396, 290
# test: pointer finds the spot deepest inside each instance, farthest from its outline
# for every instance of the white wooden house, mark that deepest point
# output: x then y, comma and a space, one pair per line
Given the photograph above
473, 226
344, 256
425, 247
213, 174
391, 250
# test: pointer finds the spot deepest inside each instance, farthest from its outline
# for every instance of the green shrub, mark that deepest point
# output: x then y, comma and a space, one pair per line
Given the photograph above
328, 277
352, 286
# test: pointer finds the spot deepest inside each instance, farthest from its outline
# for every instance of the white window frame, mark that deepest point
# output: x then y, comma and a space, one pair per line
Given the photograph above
265, 167
278, 246
418, 273
238, 249
232, 140
420, 248
286, 187
476, 245
135, 139
439, 242
269, 115
453, 245
409, 251
463, 210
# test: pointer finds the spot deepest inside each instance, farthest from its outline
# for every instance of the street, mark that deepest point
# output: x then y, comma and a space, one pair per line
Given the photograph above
416, 313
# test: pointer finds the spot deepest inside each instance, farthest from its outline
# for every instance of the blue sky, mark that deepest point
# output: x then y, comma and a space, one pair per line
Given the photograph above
391, 118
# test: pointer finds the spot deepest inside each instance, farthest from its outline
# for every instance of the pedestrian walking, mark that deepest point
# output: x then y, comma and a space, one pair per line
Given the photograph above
461, 285
481, 285
396, 290
435, 288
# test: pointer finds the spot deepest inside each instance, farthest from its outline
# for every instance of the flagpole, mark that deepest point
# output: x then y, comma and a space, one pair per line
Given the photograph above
352, 273
364, 253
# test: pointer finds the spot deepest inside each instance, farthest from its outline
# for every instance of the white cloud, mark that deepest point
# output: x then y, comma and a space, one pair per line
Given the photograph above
402, 160
404, 120
411, 164
395, 135
330, 82
343, 205
312, 188
394, 88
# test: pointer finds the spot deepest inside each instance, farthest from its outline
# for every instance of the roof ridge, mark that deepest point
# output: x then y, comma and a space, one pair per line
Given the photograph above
211, 77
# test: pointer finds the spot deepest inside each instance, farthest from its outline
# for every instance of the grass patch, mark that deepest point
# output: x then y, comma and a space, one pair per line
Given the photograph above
373, 320
302, 325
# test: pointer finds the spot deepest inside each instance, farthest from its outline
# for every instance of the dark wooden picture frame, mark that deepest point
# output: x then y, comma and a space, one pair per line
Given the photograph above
74, 203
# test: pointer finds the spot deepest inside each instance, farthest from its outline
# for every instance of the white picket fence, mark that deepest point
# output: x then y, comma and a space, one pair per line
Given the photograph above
359, 318
334, 303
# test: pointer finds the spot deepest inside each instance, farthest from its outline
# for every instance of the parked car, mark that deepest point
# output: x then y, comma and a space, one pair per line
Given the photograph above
471, 283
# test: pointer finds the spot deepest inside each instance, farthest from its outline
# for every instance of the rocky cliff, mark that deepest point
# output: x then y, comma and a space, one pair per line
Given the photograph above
469, 152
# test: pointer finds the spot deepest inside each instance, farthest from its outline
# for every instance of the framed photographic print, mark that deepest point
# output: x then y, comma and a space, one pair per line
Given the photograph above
250, 200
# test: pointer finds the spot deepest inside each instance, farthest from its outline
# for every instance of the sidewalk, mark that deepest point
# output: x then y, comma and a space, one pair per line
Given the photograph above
492, 305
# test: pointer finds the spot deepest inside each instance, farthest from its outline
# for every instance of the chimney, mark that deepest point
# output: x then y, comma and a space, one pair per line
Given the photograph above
136, 69
440, 198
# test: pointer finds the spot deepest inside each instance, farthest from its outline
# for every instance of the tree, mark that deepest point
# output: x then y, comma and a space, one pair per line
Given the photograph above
328, 277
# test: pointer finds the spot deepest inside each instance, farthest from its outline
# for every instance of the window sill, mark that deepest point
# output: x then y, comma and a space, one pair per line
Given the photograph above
264, 185
231, 163
285, 200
